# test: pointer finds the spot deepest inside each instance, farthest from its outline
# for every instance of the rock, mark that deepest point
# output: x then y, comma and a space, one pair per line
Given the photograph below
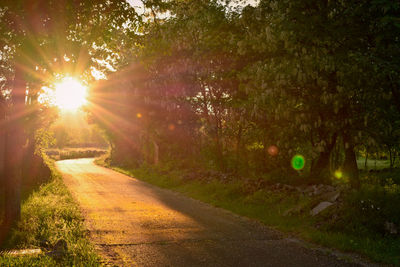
331, 196
59, 249
306, 190
22, 252
329, 188
61, 245
295, 210
391, 228
320, 189
288, 187
44, 243
335, 196
320, 207
300, 189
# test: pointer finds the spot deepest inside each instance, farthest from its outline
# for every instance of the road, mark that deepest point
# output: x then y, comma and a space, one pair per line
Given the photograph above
133, 223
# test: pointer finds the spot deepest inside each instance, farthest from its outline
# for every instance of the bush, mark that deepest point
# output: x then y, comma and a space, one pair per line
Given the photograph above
369, 209
75, 154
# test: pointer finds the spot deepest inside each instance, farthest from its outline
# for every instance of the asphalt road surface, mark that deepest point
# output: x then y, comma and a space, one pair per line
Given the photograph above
133, 223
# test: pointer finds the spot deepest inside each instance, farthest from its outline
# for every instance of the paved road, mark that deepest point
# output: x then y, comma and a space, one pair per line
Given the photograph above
133, 223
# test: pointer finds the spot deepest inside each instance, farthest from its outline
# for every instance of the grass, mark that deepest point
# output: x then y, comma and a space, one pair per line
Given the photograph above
269, 207
74, 153
50, 214
373, 164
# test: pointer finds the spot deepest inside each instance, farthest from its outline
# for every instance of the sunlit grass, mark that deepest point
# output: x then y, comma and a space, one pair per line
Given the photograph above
373, 164
74, 153
48, 215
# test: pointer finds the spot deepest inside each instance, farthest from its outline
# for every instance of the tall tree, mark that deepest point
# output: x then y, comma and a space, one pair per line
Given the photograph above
40, 35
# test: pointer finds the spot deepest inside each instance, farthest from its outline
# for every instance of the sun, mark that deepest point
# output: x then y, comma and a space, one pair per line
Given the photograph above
70, 94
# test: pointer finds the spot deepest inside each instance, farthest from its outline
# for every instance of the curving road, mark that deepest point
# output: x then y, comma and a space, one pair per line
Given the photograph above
133, 223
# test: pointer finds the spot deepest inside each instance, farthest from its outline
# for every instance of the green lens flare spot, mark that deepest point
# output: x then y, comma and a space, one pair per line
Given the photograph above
338, 174
298, 162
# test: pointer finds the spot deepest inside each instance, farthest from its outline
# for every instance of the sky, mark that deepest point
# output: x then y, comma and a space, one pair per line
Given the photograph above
139, 7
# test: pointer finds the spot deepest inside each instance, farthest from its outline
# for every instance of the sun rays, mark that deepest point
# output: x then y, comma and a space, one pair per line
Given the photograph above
70, 94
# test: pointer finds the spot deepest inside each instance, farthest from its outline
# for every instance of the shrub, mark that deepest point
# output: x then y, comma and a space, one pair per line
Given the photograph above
369, 209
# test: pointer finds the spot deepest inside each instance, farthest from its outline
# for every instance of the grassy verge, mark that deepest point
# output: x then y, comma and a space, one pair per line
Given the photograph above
373, 164
75, 153
270, 207
49, 215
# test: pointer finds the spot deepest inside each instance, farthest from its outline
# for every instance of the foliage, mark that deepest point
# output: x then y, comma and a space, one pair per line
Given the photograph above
41, 41
218, 87
61, 154
231, 90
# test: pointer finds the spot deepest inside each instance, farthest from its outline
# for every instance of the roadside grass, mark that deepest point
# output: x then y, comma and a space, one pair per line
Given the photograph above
270, 207
373, 164
74, 153
49, 215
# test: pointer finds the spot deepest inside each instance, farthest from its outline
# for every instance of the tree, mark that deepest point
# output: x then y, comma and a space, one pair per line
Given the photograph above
39, 36
304, 76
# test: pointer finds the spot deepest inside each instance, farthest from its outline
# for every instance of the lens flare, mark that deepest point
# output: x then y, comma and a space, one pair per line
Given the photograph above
338, 174
70, 94
298, 162
273, 150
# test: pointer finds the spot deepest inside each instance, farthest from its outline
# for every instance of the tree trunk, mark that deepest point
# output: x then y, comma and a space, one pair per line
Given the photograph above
350, 161
320, 168
14, 150
238, 147
219, 147
3, 229
2, 157
390, 158
395, 93
156, 152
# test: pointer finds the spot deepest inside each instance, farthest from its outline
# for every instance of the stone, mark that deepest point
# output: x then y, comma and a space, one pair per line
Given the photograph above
295, 210
391, 228
330, 188
320, 207
331, 196
308, 189
23, 252
61, 245
59, 249
335, 196
288, 187
319, 189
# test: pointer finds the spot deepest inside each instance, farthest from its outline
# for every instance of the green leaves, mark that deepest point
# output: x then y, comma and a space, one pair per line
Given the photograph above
295, 72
